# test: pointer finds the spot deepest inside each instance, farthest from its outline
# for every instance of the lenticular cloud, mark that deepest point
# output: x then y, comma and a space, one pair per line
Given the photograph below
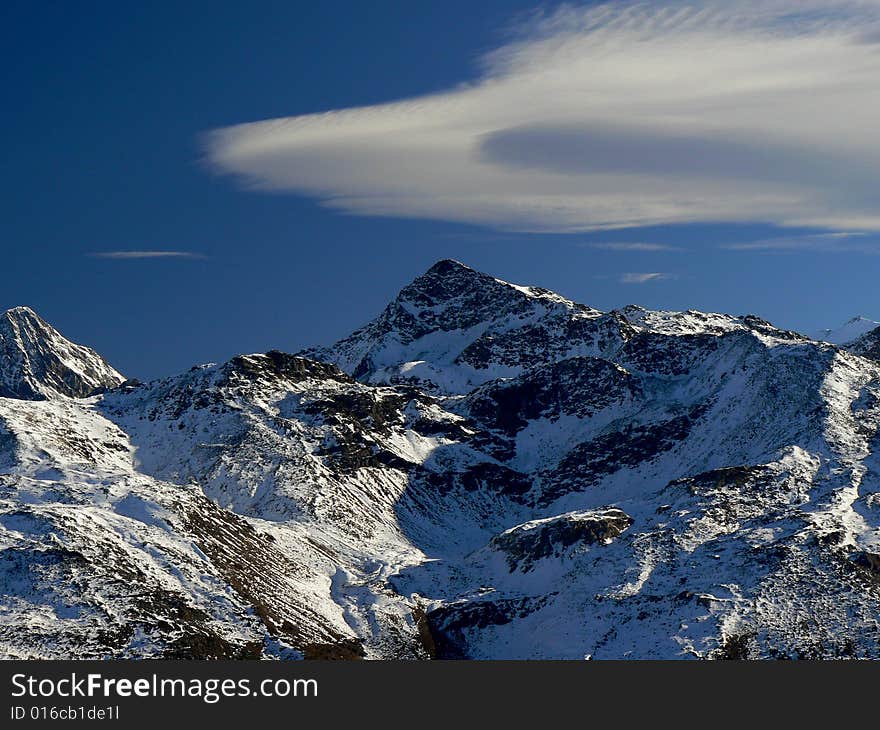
625, 114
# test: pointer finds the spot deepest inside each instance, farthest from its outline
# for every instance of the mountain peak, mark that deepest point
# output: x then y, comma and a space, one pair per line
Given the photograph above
445, 280
449, 280
37, 362
848, 332
445, 327
447, 266
21, 313
23, 322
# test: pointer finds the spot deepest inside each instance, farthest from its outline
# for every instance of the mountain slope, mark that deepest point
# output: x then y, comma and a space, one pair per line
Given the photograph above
867, 345
484, 471
37, 362
848, 332
101, 561
454, 328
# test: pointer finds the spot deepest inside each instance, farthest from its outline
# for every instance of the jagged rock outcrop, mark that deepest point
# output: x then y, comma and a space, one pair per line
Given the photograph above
37, 362
526, 544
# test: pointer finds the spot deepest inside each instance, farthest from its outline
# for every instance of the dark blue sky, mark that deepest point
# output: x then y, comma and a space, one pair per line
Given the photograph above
104, 103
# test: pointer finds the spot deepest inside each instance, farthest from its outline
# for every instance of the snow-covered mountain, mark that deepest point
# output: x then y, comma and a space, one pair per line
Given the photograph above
848, 332
37, 362
485, 470
454, 328
858, 335
867, 345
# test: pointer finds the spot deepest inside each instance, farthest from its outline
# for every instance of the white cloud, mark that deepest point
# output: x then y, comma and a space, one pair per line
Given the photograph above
842, 242
146, 255
643, 278
635, 246
624, 114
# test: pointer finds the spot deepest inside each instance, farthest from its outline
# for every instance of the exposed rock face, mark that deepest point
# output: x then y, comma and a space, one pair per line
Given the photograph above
37, 362
526, 544
454, 328
484, 471
868, 345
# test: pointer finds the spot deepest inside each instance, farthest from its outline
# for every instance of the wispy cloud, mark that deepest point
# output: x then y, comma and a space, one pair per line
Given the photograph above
643, 278
628, 113
644, 247
821, 242
146, 255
